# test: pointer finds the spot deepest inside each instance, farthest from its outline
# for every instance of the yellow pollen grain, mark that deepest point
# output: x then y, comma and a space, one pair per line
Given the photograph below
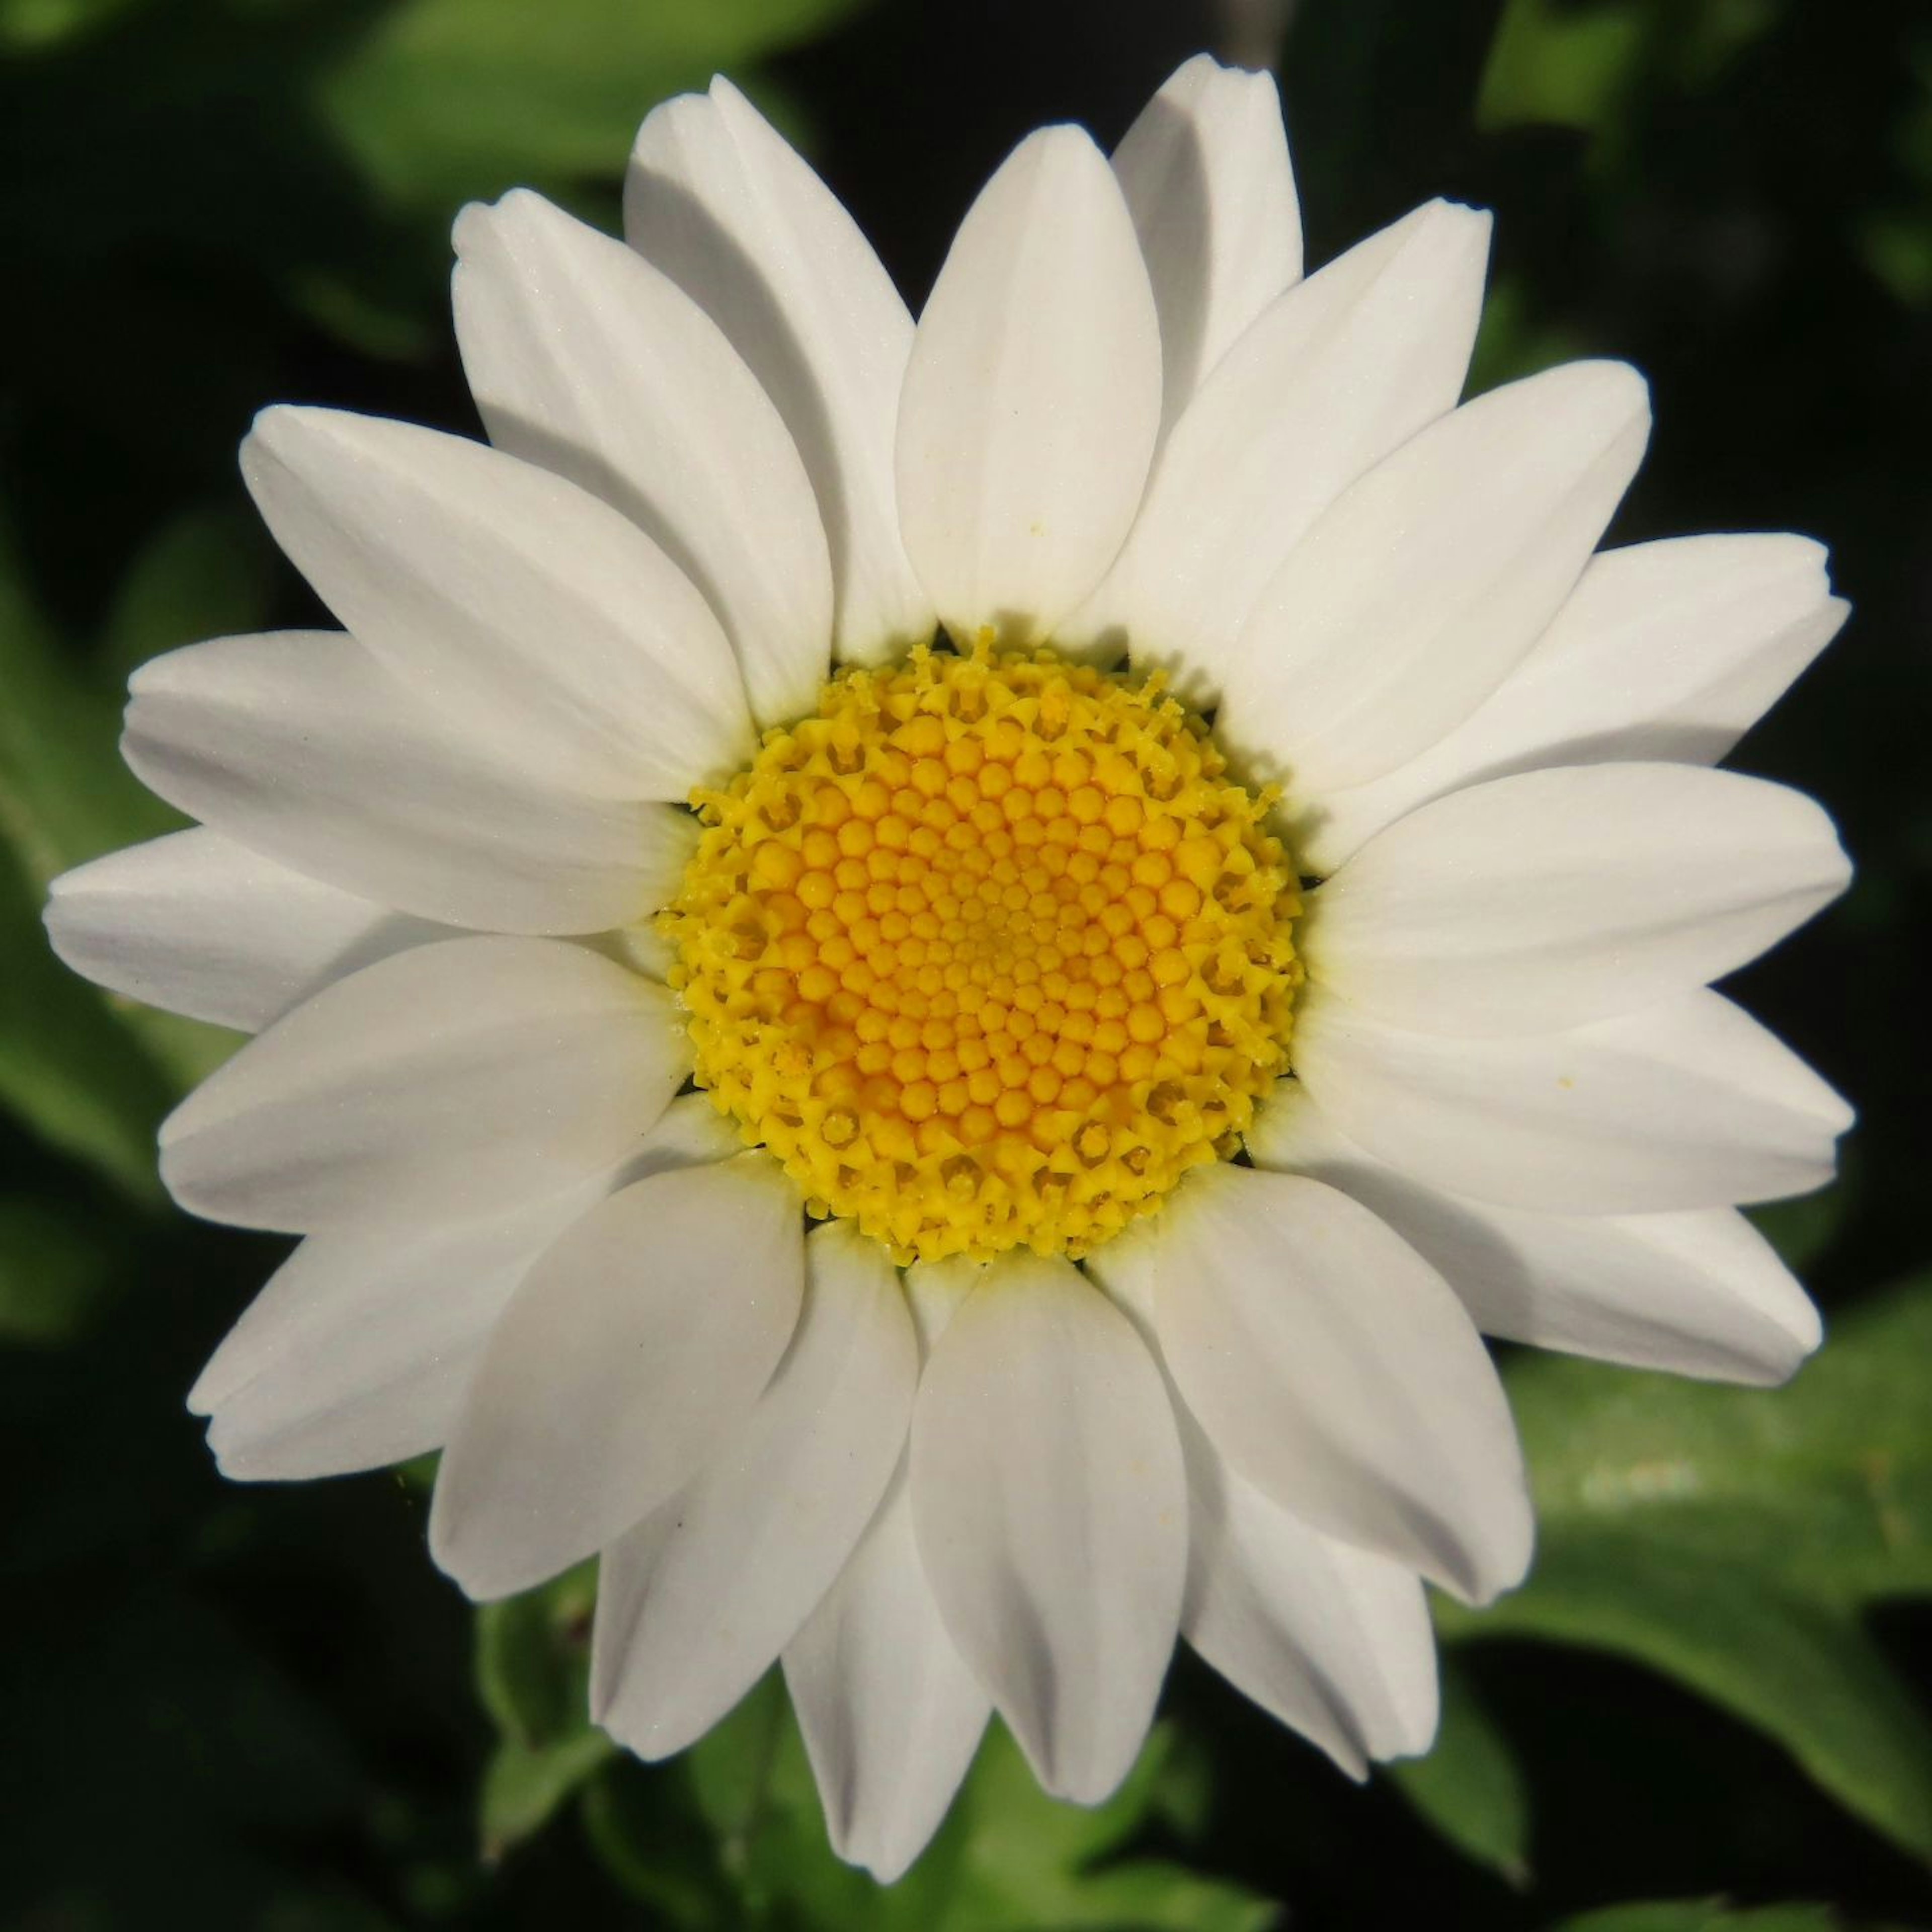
988, 952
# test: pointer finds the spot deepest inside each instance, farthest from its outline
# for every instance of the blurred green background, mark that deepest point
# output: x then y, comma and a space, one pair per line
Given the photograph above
1712, 1707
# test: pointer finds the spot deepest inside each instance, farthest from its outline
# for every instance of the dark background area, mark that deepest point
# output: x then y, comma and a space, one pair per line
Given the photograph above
221, 1706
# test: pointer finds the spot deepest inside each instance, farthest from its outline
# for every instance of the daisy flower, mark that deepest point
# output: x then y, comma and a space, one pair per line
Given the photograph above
925, 982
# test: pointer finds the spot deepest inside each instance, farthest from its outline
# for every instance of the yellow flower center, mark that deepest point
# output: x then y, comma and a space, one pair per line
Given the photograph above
990, 952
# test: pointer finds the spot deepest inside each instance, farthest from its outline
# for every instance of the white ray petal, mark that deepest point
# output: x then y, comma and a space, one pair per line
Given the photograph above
1671, 649
626, 1361
526, 611
695, 1602
1333, 1366
300, 746
1033, 397
196, 924
1051, 1508
1341, 370
1428, 580
716, 199
1689, 1104
1206, 174
1552, 899
584, 358
441, 1082
1698, 1293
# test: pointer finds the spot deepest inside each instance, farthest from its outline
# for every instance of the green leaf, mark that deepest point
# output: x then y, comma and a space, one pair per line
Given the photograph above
443, 99
1732, 1538
1559, 66
55, 1275
533, 1658
1704, 1915
65, 795
525, 1785
68, 1068
207, 573
532, 1670
1008, 1859
1470, 1786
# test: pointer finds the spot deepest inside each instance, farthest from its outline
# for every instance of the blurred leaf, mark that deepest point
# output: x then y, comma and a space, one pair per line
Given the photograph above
1511, 343
1008, 1858
64, 794
524, 1785
1731, 1539
34, 26
1561, 66
207, 573
1469, 1786
533, 1657
444, 99
55, 1275
1560, 63
68, 1068
1705, 1915
1801, 1230
532, 1672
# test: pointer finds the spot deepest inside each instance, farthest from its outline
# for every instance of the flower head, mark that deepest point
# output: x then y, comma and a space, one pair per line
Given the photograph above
1184, 885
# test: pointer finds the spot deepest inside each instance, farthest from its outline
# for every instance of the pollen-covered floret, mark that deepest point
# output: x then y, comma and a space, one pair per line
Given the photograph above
989, 952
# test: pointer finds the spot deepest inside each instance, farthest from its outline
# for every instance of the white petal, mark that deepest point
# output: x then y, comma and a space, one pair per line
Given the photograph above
891, 1715
440, 1083
584, 358
1341, 370
1427, 580
1700, 1293
300, 745
1207, 178
1664, 650
1691, 1104
196, 924
1051, 1508
357, 1352
1552, 899
525, 610
631, 1354
695, 1602
934, 1292
1333, 1640
1032, 398
1335, 1369
717, 200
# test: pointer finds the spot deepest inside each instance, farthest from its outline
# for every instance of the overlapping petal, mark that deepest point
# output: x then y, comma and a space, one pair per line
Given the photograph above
716, 199
300, 745
1333, 1639
1554, 897
1689, 1104
357, 1352
1427, 580
584, 358
1333, 1367
627, 1361
891, 1715
1032, 399
196, 924
1051, 1508
441, 1082
525, 609
1671, 649
1206, 174
697, 1600
1339, 372
1697, 1293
